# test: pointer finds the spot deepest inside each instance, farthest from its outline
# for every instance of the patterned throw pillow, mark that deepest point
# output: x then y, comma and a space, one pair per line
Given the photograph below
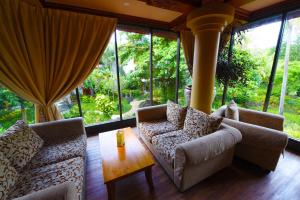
176, 114
19, 144
198, 123
8, 176
232, 111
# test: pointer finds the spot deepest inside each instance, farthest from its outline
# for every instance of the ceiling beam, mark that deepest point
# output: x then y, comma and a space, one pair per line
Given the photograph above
238, 3
173, 5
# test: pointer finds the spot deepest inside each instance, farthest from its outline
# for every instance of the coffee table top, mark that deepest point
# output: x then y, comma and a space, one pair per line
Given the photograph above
118, 162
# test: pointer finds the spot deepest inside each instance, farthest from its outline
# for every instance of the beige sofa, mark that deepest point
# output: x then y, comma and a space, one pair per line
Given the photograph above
263, 137
56, 172
188, 161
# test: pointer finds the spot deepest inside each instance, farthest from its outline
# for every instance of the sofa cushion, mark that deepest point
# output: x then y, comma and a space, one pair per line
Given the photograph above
71, 170
165, 144
8, 176
176, 114
198, 123
73, 147
232, 111
150, 129
19, 144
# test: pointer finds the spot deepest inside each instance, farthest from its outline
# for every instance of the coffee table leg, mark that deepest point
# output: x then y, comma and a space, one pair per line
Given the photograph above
148, 174
110, 190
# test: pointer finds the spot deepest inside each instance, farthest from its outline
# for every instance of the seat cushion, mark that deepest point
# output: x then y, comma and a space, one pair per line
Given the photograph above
74, 147
8, 176
19, 144
165, 144
150, 129
71, 170
176, 114
198, 123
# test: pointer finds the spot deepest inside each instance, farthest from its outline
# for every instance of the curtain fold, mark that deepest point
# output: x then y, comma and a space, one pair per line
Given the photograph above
47, 53
187, 41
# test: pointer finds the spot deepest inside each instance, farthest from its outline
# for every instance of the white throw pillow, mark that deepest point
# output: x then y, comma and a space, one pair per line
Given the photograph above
19, 144
8, 176
232, 111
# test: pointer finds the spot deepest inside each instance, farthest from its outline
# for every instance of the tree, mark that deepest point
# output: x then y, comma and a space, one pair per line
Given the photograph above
105, 105
236, 72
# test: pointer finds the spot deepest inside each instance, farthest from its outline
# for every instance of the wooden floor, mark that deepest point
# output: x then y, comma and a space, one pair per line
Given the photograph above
240, 181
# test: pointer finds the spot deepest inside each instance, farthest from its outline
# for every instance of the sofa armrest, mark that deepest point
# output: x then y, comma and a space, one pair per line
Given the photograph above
59, 130
220, 112
259, 118
258, 136
64, 191
205, 148
151, 113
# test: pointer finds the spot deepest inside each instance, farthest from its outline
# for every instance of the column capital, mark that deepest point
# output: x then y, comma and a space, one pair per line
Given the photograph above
210, 17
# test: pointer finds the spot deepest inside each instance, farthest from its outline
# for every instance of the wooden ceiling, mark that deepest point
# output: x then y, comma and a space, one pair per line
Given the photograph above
168, 14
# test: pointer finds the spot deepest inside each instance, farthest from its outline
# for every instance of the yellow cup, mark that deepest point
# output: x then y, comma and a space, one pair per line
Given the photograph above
120, 138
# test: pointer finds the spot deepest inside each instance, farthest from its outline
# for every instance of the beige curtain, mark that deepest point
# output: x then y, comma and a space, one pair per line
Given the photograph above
187, 41
46, 53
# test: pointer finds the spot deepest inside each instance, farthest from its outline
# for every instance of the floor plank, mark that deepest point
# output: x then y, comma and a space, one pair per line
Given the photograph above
239, 181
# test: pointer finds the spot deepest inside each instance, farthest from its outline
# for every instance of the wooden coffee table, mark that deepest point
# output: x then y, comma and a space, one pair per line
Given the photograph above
120, 162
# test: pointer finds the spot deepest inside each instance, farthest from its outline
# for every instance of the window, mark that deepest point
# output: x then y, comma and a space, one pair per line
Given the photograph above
134, 67
164, 69
255, 50
68, 106
13, 108
99, 92
285, 98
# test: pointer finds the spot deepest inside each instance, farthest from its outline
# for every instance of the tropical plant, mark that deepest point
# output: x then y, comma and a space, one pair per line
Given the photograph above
238, 71
105, 105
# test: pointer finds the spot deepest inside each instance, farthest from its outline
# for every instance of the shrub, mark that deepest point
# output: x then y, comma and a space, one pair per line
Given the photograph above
105, 105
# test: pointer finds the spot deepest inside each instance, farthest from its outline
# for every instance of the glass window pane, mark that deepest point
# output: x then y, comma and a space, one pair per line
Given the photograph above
99, 92
253, 52
134, 58
164, 69
13, 108
68, 106
285, 98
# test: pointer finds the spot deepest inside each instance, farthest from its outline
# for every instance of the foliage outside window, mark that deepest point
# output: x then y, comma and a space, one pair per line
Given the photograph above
254, 55
134, 58
99, 92
13, 108
164, 69
285, 97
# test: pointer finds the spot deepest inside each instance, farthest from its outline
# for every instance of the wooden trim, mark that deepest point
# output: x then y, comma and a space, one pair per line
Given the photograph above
173, 5
242, 14
276, 9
